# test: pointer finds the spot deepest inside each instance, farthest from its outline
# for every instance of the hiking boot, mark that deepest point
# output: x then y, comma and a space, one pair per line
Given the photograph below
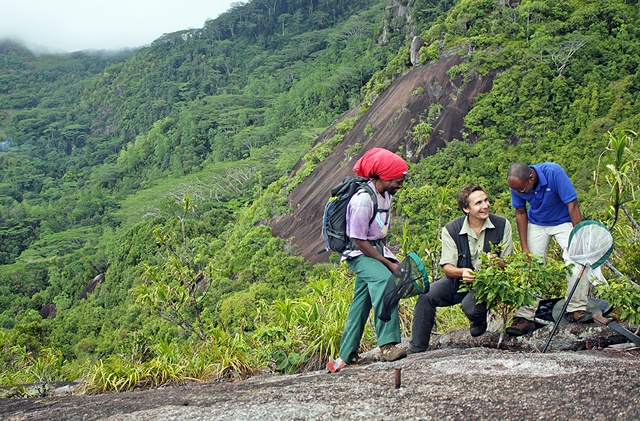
390, 352
521, 326
335, 365
579, 316
477, 330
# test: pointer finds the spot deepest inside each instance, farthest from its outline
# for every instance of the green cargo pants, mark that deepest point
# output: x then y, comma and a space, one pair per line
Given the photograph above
370, 284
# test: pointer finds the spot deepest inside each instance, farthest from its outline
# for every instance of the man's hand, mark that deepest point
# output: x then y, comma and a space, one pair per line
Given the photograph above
368, 250
395, 269
468, 276
494, 256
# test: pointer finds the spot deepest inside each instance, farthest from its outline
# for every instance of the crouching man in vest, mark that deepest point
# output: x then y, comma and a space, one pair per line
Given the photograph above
463, 239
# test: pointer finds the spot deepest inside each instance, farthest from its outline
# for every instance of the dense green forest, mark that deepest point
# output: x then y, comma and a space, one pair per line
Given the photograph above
160, 169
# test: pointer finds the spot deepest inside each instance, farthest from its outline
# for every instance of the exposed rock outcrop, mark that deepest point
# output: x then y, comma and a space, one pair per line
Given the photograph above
389, 120
569, 337
91, 286
48, 311
414, 51
397, 19
446, 384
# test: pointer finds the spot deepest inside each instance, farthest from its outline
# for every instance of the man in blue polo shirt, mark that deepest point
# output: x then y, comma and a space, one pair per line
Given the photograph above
553, 212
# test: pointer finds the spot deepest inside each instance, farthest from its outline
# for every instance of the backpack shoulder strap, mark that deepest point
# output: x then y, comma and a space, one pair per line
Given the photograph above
366, 187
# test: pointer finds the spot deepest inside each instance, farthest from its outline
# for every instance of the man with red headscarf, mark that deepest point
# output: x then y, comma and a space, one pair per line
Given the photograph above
370, 259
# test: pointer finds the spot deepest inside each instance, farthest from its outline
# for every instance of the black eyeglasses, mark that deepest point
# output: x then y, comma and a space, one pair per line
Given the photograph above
524, 189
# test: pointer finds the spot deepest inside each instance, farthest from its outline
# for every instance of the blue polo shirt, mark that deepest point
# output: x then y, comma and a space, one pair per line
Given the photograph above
548, 202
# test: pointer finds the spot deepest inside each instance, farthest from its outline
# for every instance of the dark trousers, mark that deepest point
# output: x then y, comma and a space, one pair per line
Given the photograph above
442, 293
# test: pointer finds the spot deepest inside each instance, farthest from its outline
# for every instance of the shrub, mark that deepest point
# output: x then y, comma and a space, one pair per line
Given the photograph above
521, 281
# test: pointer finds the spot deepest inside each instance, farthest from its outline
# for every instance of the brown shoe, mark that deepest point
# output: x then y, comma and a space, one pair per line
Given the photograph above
580, 316
390, 352
521, 326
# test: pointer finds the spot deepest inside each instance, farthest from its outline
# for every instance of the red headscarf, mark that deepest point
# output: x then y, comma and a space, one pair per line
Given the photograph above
378, 162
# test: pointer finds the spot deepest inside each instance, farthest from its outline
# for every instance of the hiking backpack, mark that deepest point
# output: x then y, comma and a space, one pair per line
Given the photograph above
334, 221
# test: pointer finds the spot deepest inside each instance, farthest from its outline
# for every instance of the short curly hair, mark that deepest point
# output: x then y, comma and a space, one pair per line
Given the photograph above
463, 195
519, 171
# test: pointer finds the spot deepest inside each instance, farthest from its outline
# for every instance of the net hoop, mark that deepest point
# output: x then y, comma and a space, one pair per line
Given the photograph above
420, 284
590, 243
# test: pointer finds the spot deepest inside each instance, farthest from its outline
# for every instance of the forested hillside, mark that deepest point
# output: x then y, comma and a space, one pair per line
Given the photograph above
157, 172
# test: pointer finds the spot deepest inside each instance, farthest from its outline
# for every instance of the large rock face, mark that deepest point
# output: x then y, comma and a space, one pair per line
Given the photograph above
416, 44
391, 118
446, 384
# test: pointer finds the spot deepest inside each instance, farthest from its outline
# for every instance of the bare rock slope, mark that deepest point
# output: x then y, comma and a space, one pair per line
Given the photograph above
444, 384
390, 119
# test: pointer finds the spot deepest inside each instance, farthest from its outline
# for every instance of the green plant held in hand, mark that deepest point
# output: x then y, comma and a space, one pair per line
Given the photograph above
521, 281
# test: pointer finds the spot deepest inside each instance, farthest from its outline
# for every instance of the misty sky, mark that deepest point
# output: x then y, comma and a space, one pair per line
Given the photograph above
73, 25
